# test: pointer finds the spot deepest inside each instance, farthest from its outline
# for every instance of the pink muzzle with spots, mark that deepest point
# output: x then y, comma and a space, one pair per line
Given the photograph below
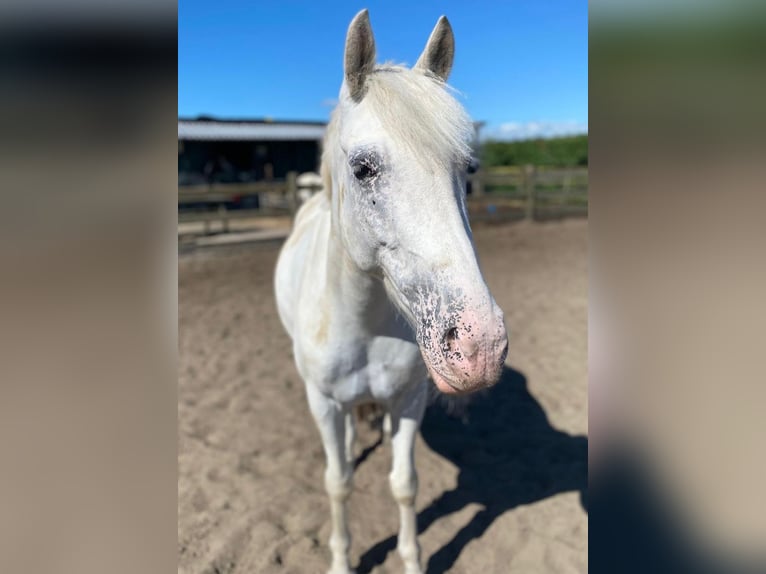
465, 350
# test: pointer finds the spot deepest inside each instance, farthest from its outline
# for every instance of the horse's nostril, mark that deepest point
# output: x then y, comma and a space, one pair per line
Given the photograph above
504, 353
450, 344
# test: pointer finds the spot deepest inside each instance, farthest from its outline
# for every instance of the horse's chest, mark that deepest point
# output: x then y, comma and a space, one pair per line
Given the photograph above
377, 368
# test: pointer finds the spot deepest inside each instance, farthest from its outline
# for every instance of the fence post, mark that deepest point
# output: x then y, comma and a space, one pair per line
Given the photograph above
207, 220
477, 188
292, 191
529, 183
222, 213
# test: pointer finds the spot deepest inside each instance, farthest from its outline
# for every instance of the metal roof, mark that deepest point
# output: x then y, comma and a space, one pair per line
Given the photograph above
211, 129
236, 130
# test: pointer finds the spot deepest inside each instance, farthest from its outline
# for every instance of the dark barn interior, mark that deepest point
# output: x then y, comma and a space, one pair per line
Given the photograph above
231, 151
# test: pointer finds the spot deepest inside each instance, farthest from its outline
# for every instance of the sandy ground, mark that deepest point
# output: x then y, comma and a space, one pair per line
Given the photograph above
501, 485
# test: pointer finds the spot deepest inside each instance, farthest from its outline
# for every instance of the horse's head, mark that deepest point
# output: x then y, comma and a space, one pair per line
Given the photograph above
395, 159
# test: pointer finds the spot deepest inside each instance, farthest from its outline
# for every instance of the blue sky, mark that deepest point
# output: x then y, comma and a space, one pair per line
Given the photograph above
522, 67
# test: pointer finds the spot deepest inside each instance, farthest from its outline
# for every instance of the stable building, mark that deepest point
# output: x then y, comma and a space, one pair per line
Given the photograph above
212, 150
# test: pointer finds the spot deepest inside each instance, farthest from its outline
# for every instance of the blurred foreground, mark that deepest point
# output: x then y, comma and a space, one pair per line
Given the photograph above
677, 284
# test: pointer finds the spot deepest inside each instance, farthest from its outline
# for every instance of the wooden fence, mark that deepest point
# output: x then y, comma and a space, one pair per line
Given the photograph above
528, 192
222, 202
497, 195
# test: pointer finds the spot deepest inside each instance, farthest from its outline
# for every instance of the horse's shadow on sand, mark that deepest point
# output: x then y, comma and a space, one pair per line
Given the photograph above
507, 454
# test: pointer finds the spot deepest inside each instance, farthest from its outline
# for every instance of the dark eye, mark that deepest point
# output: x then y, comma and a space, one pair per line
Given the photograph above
366, 164
364, 171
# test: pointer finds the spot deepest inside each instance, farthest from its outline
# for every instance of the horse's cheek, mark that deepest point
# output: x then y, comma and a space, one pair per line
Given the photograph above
369, 221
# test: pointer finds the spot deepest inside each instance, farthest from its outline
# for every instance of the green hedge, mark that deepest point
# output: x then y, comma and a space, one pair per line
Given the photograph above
555, 152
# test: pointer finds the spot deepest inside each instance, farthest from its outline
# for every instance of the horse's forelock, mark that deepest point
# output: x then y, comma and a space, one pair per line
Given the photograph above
417, 109
420, 112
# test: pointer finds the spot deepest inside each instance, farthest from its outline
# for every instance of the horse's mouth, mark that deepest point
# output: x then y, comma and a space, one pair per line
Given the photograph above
442, 382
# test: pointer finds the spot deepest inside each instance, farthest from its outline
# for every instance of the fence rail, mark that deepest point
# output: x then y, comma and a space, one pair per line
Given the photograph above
499, 195
529, 193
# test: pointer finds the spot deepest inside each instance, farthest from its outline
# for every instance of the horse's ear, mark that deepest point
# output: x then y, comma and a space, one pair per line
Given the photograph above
440, 50
359, 57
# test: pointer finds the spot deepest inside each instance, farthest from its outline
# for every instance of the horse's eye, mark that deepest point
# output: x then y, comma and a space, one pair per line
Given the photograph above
366, 164
363, 171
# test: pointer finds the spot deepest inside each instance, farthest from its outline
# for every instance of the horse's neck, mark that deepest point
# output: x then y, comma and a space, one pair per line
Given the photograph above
356, 295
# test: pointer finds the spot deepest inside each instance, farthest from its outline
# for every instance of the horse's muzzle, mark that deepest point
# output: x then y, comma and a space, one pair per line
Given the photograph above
469, 354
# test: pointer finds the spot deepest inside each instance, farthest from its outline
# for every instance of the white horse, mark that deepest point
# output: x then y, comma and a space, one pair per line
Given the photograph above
378, 283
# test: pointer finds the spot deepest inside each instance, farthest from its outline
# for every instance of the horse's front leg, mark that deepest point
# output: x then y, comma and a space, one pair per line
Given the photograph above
350, 438
406, 414
330, 418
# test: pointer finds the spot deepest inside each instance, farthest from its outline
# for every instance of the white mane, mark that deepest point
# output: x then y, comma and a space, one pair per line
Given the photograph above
415, 108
